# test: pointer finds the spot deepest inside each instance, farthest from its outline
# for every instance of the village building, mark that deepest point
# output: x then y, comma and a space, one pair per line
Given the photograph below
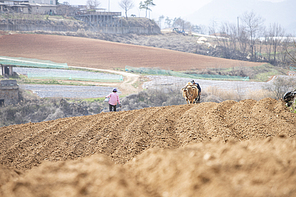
6, 70
9, 92
28, 6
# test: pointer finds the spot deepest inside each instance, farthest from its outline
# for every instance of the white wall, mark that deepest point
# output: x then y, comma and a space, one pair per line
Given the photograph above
51, 2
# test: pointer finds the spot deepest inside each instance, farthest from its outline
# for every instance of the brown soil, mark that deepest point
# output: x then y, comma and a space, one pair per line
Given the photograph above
245, 148
95, 53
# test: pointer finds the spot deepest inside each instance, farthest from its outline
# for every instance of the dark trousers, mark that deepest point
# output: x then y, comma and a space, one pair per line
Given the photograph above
112, 106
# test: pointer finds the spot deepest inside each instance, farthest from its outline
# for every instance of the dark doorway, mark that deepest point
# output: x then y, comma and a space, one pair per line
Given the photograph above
1, 102
6, 70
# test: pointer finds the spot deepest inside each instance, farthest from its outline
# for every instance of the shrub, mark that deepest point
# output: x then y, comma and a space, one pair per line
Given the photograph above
32, 109
220, 94
152, 98
280, 86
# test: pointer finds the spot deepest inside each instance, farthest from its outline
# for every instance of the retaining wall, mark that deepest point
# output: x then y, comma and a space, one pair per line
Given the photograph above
9, 92
25, 25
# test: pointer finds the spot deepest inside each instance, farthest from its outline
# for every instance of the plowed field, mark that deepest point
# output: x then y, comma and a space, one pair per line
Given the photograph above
245, 148
94, 53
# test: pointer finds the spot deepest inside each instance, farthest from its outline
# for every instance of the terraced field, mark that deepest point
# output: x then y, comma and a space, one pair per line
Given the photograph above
93, 53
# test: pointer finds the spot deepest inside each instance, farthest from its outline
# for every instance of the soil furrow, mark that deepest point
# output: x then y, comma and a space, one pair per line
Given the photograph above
21, 154
120, 133
84, 143
23, 131
50, 149
191, 125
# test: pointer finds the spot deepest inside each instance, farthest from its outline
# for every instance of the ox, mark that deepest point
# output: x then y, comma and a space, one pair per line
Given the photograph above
290, 99
190, 93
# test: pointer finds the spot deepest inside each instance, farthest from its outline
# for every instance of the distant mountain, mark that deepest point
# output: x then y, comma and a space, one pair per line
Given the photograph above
283, 12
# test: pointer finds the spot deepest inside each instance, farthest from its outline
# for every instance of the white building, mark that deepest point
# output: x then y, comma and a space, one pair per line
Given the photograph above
48, 2
28, 6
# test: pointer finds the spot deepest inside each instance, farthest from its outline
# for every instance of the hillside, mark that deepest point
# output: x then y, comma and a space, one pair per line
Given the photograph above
244, 148
86, 52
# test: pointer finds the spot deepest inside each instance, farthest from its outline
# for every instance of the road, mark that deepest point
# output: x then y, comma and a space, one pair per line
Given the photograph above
128, 86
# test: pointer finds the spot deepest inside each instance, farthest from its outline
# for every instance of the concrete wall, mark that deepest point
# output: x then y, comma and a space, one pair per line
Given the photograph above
9, 92
60, 27
43, 9
128, 30
96, 23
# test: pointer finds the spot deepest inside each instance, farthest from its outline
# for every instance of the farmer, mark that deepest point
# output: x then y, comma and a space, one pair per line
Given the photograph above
199, 90
113, 100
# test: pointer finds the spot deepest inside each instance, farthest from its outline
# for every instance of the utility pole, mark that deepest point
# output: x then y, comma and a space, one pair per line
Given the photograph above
108, 5
237, 26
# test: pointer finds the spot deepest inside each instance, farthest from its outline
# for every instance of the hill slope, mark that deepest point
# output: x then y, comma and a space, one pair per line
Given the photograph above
231, 150
95, 53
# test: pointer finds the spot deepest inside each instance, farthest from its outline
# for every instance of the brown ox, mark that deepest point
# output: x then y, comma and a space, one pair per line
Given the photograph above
190, 93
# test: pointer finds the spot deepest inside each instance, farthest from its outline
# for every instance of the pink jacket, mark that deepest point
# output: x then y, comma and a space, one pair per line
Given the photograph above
114, 98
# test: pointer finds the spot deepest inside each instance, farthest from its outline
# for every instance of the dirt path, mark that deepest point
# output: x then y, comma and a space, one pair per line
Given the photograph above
130, 84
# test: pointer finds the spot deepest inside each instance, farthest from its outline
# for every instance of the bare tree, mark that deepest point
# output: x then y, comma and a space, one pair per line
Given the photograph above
280, 85
229, 32
213, 28
126, 5
292, 55
268, 45
178, 23
160, 20
168, 21
254, 26
276, 34
285, 44
92, 4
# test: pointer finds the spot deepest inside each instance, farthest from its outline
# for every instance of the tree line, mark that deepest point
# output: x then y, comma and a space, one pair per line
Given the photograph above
126, 5
248, 39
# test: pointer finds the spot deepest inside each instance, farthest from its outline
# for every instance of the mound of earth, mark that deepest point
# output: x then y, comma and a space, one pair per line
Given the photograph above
92, 176
86, 52
7, 174
244, 148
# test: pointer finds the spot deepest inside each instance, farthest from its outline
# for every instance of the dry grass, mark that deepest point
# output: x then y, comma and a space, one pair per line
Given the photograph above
33, 109
222, 94
258, 94
214, 94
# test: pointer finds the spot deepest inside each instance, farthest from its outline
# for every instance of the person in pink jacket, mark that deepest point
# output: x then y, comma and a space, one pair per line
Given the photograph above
113, 100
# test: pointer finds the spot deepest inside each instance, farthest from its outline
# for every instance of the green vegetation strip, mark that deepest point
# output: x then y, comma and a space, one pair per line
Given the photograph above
28, 62
156, 71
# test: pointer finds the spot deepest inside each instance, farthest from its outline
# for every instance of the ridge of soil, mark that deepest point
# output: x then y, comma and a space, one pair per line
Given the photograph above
244, 148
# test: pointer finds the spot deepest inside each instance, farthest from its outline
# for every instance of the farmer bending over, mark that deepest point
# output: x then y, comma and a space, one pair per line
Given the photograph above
114, 99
